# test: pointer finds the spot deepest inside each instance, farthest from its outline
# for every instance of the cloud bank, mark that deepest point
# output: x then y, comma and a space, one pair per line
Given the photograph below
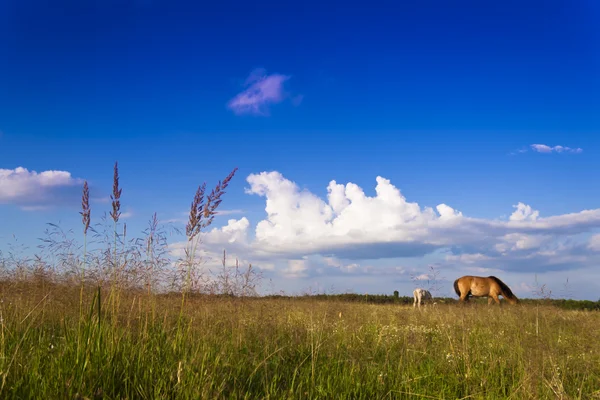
34, 191
350, 233
262, 91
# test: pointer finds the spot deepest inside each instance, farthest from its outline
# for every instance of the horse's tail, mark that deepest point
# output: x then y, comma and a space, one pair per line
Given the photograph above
456, 289
506, 292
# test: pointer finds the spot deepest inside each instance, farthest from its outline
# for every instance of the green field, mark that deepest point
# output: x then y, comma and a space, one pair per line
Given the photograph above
121, 317
55, 345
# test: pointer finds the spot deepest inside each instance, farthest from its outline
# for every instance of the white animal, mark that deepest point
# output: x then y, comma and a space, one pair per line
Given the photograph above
420, 295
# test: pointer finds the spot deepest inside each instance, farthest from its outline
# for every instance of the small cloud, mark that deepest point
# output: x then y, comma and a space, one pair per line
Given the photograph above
183, 216
524, 212
542, 148
229, 212
33, 191
35, 208
467, 258
422, 277
263, 91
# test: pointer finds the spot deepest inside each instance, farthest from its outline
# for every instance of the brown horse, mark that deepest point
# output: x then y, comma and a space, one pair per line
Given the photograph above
480, 286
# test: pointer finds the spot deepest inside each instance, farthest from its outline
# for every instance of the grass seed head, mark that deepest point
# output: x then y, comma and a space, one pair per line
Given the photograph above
85, 207
116, 195
201, 213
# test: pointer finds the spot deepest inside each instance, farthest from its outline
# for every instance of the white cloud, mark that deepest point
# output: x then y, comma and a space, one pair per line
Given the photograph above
594, 243
35, 208
229, 212
422, 277
467, 258
542, 148
519, 241
347, 233
298, 221
524, 212
33, 190
236, 231
296, 269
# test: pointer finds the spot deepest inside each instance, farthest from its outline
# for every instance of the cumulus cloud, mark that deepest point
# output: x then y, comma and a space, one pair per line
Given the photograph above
235, 232
524, 212
348, 223
348, 232
261, 92
34, 191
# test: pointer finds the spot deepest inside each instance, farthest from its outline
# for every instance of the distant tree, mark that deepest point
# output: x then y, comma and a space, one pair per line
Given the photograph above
396, 294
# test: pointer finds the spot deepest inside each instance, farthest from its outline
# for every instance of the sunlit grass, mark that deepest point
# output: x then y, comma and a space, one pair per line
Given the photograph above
88, 322
265, 348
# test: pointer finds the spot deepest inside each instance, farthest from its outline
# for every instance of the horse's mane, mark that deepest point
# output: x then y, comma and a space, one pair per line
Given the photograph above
456, 287
505, 289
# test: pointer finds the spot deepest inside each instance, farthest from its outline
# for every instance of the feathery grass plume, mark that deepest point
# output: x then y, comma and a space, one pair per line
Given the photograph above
116, 196
195, 212
115, 214
202, 213
85, 206
85, 219
214, 199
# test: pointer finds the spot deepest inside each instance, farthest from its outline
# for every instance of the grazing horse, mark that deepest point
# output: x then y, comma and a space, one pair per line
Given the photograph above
480, 286
420, 295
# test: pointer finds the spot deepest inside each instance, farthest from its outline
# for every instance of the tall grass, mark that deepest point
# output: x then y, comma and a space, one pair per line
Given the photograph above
123, 318
230, 347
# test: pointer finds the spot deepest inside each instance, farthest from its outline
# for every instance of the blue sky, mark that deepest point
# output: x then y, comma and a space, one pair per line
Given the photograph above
443, 99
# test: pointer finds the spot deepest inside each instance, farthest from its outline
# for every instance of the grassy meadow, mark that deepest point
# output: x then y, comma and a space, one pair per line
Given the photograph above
118, 317
53, 345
